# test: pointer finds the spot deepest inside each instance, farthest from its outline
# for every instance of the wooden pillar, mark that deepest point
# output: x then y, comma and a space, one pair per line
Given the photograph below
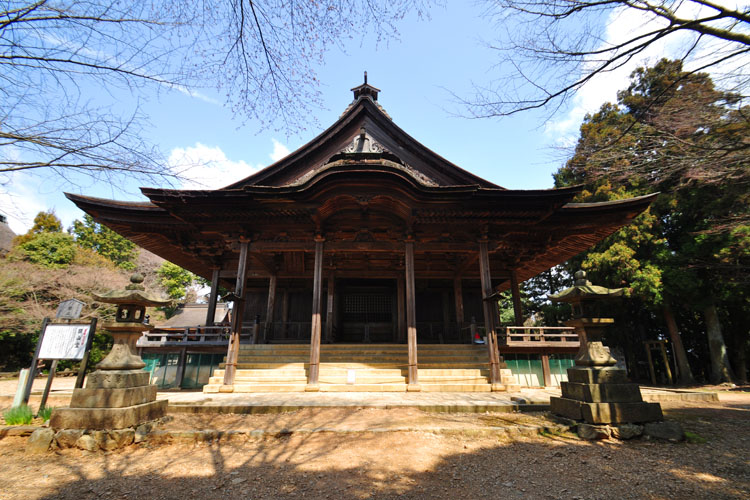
411, 318
312, 381
400, 311
271, 305
546, 372
514, 290
182, 361
458, 297
330, 319
211, 313
238, 310
490, 312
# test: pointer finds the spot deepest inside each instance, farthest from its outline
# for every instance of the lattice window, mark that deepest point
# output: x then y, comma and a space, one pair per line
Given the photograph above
368, 308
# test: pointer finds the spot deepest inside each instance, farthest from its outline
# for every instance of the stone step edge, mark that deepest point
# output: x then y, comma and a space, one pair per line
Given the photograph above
167, 437
504, 407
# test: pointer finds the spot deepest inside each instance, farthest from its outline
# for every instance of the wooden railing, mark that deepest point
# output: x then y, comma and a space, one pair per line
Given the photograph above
219, 335
204, 335
541, 336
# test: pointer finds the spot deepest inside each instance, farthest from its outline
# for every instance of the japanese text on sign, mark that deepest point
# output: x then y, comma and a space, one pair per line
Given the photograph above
64, 342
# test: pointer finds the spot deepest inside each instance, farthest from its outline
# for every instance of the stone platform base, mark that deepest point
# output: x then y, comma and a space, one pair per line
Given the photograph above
606, 413
112, 399
107, 418
603, 395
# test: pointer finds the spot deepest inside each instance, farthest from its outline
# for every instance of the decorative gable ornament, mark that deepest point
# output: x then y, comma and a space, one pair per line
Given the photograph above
364, 143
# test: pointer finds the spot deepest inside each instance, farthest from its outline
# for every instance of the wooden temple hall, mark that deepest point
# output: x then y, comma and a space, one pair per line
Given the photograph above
366, 261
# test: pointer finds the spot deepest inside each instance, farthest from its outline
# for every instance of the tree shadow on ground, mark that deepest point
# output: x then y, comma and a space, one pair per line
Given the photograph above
395, 465
344, 467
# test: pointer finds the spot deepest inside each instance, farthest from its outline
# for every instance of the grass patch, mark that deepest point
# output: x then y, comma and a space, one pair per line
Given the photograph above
20, 415
694, 438
45, 412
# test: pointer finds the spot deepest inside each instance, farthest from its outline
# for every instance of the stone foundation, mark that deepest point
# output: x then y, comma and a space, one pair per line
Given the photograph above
603, 396
112, 399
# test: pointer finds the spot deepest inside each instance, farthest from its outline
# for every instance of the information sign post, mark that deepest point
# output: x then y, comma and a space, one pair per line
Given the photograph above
61, 341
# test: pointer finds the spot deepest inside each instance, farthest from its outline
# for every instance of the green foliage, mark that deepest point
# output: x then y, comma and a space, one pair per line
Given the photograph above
20, 415
674, 132
505, 305
100, 347
45, 412
175, 279
30, 292
17, 346
535, 292
44, 222
55, 250
92, 235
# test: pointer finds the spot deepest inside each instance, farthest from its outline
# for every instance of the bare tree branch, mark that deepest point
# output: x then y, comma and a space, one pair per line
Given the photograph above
556, 47
52, 52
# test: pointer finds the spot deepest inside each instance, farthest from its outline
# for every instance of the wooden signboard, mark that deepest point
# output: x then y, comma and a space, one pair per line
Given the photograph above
61, 341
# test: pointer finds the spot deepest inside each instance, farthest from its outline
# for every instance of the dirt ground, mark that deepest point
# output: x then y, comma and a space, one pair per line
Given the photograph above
417, 464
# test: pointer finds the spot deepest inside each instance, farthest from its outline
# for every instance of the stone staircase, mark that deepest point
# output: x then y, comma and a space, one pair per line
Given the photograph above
361, 368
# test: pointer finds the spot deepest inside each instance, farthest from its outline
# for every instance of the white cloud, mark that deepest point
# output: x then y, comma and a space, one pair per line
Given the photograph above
193, 93
206, 167
19, 196
623, 24
20, 202
279, 151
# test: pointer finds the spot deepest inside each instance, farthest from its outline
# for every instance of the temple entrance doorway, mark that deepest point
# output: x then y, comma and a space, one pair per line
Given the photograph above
367, 311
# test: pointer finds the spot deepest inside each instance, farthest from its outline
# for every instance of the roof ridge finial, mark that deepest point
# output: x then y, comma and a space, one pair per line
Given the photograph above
366, 90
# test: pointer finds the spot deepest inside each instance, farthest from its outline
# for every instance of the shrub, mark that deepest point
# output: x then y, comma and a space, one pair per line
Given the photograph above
56, 250
45, 412
89, 258
20, 415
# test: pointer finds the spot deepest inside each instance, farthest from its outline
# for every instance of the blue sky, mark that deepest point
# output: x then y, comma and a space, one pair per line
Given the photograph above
415, 74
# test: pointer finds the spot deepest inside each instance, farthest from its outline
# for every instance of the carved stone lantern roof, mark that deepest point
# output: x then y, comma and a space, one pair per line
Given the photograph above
584, 290
134, 294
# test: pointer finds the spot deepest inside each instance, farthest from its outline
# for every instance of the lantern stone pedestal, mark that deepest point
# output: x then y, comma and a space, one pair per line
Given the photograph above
597, 392
118, 394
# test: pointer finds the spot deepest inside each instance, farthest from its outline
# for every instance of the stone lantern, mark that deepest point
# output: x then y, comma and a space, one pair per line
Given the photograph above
588, 303
596, 391
118, 394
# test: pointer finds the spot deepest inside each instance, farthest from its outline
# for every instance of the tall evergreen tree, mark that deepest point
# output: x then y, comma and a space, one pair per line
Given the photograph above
674, 132
105, 242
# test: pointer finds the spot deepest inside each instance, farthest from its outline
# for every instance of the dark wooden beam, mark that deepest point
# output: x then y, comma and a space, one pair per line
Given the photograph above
265, 261
330, 317
411, 318
312, 381
270, 307
490, 313
213, 298
233, 349
458, 296
361, 246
